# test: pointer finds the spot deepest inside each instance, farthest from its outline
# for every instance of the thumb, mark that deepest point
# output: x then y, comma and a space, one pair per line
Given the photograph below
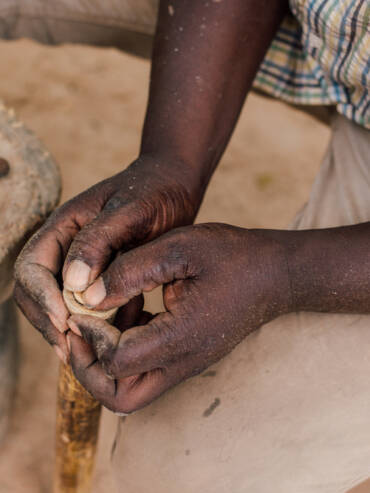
160, 262
139, 349
94, 245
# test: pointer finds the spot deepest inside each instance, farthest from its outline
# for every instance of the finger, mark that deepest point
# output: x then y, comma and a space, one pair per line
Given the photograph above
138, 350
88, 370
41, 321
130, 314
141, 269
96, 244
42, 287
100, 335
126, 317
120, 396
41, 260
145, 318
133, 393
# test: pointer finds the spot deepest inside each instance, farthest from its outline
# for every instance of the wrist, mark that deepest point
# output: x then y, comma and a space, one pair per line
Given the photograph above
171, 170
274, 272
298, 251
329, 269
296, 266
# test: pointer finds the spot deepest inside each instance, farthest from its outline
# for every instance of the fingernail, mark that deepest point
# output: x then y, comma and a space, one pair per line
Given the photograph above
60, 325
78, 275
74, 328
68, 339
95, 294
60, 354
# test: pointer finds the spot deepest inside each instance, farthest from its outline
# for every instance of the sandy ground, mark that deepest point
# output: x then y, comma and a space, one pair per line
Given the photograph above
87, 106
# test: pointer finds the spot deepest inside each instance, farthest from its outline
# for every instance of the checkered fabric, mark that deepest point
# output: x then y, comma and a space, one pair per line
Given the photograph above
321, 56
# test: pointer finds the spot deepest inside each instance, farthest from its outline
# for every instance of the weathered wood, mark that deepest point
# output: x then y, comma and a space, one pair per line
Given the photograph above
78, 415
29, 191
8, 362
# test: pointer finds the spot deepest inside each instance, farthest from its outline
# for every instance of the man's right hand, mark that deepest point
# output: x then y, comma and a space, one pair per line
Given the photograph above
81, 237
193, 107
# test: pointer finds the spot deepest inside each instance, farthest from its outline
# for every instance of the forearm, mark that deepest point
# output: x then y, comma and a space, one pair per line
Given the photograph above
205, 58
329, 269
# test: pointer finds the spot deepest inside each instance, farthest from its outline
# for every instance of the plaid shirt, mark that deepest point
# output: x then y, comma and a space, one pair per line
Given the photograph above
321, 56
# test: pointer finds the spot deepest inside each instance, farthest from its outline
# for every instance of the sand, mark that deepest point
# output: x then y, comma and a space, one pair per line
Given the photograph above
87, 106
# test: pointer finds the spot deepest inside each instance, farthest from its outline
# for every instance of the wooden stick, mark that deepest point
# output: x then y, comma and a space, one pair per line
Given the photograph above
78, 416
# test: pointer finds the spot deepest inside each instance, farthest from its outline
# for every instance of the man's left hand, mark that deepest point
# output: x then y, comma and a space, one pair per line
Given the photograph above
219, 284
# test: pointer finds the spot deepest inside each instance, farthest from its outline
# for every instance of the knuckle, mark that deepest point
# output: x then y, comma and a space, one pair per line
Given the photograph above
180, 235
20, 268
64, 216
116, 202
110, 366
124, 406
177, 248
121, 362
19, 297
159, 272
120, 278
81, 241
132, 354
88, 244
59, 215
138, 214
23, 270
116, 277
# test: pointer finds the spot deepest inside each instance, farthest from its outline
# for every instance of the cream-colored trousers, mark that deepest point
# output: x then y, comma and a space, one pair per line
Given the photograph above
288, 411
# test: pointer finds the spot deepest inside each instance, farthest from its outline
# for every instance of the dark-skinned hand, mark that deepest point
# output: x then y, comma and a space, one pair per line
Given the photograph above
219, 284
82, 236
193, 107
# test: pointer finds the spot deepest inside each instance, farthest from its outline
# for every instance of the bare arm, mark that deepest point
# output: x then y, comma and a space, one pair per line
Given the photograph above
330, 269
205, 58
219, 284
206, 55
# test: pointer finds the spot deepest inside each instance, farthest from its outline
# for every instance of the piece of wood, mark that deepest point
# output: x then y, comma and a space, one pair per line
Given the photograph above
78, 415
29, 191
8, 363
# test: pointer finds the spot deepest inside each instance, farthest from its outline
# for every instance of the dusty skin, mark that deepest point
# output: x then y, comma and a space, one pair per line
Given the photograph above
87, 106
